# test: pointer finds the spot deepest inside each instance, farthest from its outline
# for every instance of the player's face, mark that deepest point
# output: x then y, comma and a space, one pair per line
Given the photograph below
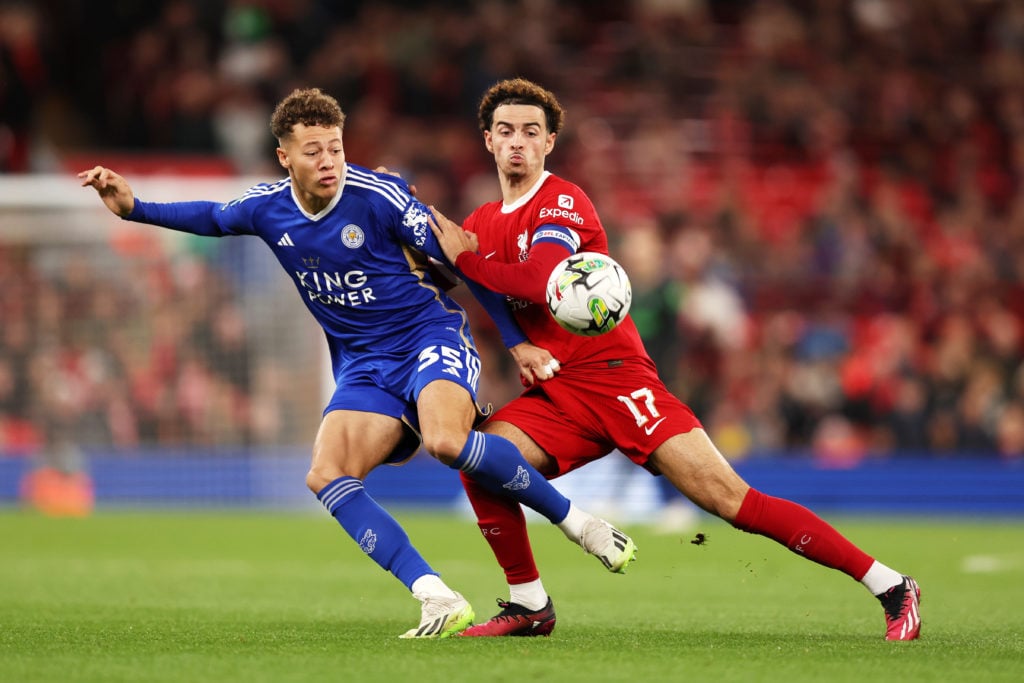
519, 140
315, 159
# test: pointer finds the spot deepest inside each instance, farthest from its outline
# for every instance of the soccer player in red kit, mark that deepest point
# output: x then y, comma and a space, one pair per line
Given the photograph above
601, 393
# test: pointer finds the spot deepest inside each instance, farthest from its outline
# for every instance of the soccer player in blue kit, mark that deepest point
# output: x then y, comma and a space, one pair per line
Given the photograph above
355, 244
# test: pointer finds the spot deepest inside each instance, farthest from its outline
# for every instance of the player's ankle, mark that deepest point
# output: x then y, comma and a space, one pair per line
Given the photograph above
431, 585
572, 524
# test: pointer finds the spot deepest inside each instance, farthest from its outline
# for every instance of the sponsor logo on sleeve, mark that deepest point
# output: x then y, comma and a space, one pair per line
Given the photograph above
551, 212
417, 219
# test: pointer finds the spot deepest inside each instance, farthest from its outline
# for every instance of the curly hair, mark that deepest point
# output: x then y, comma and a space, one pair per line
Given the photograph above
520, 91
310, 107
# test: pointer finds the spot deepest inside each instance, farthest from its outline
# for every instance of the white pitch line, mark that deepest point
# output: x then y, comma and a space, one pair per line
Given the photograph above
991, 564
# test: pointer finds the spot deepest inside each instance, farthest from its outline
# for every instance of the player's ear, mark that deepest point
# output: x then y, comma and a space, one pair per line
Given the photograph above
282, 157
487, 141
550, 143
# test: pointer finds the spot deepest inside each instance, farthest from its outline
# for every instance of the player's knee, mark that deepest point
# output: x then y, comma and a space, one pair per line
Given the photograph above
320, 476
445, 446
316, 480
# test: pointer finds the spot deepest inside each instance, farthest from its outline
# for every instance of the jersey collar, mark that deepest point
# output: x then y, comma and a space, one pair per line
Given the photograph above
509, 208
334, 200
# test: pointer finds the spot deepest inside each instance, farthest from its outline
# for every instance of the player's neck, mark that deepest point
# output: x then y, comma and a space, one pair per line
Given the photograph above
514, 187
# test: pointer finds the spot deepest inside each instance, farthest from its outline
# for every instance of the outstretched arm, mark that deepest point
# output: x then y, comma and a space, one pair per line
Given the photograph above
198, 218
112, 189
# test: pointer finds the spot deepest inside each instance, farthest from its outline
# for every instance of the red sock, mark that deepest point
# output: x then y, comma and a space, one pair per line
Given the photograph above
802, 531
503, 525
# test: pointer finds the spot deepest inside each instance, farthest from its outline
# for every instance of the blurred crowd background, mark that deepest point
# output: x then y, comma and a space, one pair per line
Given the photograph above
819, 202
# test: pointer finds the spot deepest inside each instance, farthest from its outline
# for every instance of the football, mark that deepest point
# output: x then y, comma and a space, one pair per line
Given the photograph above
589, 294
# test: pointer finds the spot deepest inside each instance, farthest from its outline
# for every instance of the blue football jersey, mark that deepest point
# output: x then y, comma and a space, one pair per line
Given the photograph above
358, 265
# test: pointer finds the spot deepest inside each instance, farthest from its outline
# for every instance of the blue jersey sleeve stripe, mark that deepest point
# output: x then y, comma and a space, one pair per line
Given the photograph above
556, 234
261, 190
391, 183
387, 189
376, 188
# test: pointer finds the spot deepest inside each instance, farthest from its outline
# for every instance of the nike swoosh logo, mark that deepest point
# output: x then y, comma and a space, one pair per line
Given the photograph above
650, 430
491, 254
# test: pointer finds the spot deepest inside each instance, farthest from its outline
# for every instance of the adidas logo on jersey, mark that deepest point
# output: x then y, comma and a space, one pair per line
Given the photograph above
285, 241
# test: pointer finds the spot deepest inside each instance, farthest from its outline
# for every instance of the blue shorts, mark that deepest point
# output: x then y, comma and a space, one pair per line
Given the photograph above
390, 384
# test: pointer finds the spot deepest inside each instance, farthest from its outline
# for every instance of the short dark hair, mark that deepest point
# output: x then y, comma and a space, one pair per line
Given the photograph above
310, 107
520, 91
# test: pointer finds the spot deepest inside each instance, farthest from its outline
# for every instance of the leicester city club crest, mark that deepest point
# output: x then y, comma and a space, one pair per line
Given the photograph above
352, 236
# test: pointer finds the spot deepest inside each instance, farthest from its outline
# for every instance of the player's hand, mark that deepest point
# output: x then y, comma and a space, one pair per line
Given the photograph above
535, 364
385, 170
452, 238
112, 189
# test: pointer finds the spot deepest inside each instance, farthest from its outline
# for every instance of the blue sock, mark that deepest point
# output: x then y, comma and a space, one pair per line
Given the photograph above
496, 463
378, 534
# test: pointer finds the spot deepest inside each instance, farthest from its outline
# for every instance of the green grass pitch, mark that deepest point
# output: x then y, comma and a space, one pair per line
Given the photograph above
278, 597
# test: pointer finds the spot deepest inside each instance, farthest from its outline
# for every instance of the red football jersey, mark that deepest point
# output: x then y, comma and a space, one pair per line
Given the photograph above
521, 243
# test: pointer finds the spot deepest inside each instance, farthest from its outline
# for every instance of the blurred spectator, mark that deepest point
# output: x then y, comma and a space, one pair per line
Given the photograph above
24, 79
91, 364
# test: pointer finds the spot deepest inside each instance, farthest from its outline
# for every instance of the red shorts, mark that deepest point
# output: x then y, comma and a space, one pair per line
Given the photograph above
585, 412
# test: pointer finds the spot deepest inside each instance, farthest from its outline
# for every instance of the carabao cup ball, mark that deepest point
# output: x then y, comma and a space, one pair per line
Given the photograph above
589, 294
